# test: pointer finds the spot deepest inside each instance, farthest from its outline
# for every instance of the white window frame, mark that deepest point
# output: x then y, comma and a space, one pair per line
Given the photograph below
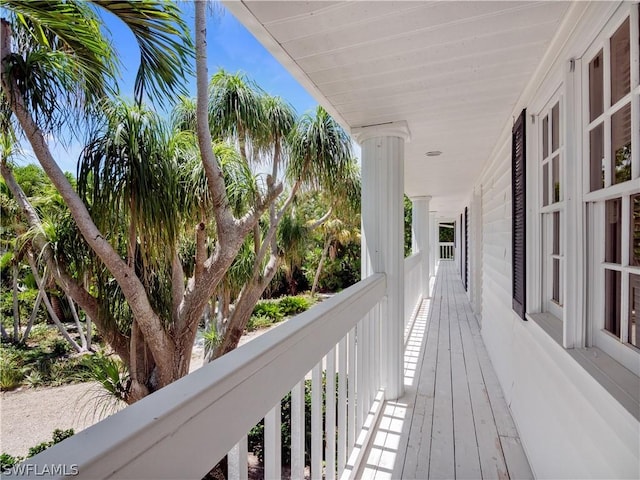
596, 335
545, 215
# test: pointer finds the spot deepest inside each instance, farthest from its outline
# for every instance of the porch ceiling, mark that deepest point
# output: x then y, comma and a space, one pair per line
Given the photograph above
453, 70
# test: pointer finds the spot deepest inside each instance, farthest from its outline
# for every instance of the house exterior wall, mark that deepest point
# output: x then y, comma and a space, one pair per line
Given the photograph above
570, 424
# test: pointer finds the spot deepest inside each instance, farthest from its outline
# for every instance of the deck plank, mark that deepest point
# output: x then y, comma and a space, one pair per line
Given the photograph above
466, 445
442, 461
453, 421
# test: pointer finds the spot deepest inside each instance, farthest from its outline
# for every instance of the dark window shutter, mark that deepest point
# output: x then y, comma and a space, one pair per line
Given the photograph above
518, 202
466, 248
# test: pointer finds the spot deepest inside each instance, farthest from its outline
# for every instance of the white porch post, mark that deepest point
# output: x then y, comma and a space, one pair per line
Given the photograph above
435, 244
382, 237
421, 240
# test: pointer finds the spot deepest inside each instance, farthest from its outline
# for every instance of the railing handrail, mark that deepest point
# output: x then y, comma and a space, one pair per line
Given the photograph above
447, 243
212, 408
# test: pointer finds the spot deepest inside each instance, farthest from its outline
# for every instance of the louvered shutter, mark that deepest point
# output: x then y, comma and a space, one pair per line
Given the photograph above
518, 202
466, 248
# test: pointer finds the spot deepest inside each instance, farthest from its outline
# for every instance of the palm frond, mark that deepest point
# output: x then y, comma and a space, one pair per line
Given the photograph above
320, 151
164, 39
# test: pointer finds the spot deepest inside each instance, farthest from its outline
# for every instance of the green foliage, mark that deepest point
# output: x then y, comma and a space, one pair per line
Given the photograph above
211, 337
256, 434
110, 373
293, 305
408, 214
268, 309
338, 273
446, 234
11, 370
269, 312
7, 461
46, 364
57, 436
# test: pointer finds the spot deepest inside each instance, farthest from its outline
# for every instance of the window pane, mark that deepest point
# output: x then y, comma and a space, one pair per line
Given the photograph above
556, 280
596, 150
634, 254
545, 184
545, 137
621, 145
613, 231
555, 127
556, 233
596, 95
634, 307
620, 63
555, 178
612, 284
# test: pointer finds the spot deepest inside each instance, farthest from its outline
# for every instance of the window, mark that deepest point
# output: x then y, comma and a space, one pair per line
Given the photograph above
551, 161
612, 190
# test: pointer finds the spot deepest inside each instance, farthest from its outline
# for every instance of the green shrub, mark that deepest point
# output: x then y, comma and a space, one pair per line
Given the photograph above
34, 379
257, 322
256, 434
11, 370
293, 305
7, 461
110, 373
57, 345
57, 436
268, 309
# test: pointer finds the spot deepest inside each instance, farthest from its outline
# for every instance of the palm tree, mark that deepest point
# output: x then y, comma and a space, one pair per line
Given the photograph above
57, 63
316, 152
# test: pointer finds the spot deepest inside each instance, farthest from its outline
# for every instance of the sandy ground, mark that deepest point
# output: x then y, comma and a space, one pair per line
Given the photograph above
29, 416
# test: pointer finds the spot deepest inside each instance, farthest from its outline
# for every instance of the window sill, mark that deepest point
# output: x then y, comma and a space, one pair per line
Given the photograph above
551, 324
622, 384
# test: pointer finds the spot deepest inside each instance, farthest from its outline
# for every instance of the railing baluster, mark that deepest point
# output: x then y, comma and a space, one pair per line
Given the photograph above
360, 397
351, 390
316, 422
330, 416
362, 393
376, 347
371, 356
237, 464
297, 431
342, 405
272, 441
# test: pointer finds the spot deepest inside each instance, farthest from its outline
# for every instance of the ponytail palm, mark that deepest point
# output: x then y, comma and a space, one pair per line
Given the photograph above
56, 62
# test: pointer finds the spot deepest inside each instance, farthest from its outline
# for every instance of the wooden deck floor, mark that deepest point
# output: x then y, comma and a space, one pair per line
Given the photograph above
453, 421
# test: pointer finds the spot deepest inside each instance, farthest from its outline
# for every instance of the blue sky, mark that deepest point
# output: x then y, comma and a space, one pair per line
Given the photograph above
230, 46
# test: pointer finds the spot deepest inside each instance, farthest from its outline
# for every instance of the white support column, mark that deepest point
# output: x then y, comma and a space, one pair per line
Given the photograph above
382, 237
421, 239
435, 244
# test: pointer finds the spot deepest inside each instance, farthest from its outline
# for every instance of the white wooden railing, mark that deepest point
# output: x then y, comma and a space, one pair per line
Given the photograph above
183, 430
446, 250
412, 288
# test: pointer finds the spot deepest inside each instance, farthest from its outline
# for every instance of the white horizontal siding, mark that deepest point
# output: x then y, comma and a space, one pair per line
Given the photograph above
570, 426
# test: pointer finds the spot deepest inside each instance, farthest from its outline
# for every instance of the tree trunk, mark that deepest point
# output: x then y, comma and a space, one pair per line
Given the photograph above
89, 332
40, 282
76, 319
68, 284
16, 303
139, 370
3, 332
243, 308
132, 288
316, 278
32, 318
